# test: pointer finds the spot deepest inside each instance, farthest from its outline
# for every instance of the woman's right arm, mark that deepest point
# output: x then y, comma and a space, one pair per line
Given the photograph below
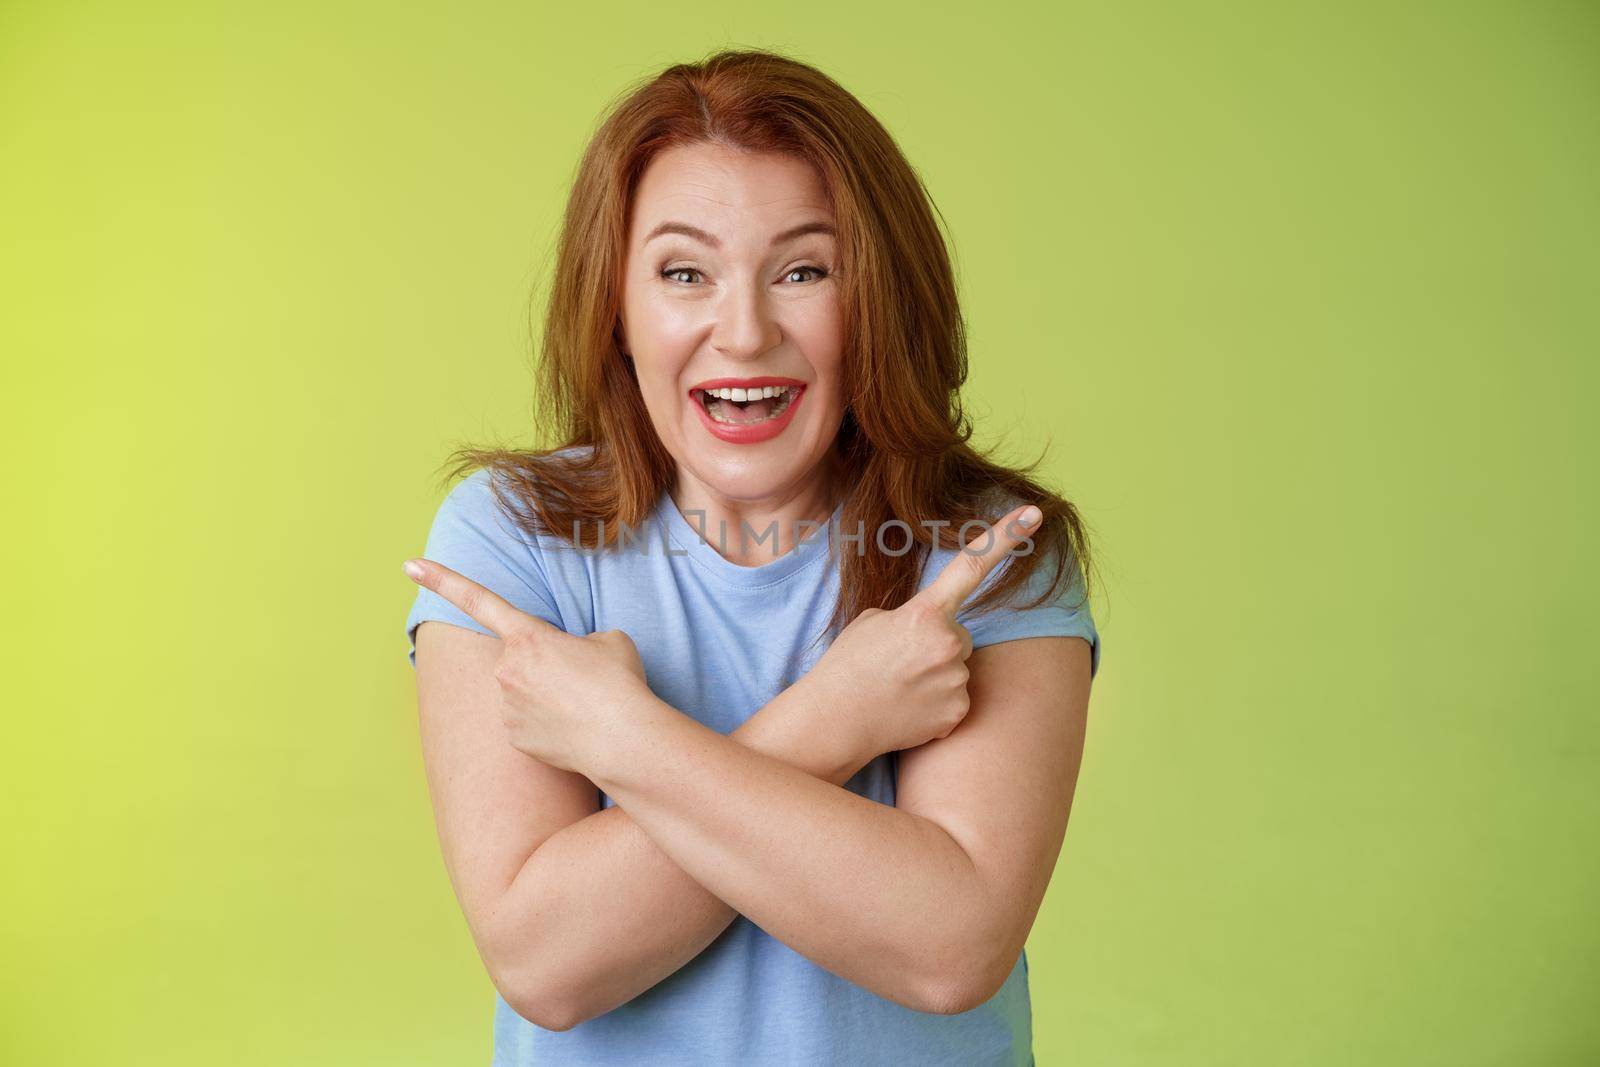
574, 910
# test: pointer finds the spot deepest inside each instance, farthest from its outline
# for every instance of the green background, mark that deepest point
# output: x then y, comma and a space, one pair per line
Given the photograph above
1303, 298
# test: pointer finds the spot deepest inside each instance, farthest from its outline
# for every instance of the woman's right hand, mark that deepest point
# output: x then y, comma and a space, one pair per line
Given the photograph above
898, 679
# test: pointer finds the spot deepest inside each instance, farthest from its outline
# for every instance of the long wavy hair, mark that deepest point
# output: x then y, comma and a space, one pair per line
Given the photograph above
904, 437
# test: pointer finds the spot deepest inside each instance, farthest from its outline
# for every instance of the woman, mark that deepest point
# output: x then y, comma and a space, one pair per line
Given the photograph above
781, 784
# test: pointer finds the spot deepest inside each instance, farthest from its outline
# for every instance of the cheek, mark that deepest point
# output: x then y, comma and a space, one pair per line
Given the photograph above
659, 339
820, 335
661, 368
658, 385
663, 332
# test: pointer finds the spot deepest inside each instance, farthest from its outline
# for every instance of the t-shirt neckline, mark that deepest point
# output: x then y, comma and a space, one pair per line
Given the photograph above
687, 541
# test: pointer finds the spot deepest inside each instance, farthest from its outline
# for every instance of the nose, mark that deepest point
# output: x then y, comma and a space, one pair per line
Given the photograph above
745, 327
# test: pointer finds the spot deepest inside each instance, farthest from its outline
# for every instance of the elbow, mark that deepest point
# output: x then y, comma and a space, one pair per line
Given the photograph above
526, 975
961, 993
531, 992
538, 1005
968, 973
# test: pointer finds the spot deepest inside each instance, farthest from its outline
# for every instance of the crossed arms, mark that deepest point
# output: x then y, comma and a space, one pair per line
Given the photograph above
576, 910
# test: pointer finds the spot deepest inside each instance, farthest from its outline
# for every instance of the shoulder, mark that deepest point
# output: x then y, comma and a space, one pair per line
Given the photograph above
471, 516
493, 506
470, 498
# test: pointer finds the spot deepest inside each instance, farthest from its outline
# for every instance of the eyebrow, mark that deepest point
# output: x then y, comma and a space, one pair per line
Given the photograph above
700, 235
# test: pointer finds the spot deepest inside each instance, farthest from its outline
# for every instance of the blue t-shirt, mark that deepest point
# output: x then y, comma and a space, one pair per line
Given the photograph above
719, 640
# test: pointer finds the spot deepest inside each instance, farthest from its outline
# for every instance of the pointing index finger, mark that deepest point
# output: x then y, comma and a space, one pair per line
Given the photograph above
963, 574
480, 604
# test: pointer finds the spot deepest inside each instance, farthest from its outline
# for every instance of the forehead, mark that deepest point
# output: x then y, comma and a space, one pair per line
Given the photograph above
726, 190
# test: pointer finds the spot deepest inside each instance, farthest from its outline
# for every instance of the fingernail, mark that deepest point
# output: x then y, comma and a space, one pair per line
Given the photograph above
1029, 516
413, 570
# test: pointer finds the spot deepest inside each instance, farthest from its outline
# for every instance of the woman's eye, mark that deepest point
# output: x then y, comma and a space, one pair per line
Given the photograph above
672, 273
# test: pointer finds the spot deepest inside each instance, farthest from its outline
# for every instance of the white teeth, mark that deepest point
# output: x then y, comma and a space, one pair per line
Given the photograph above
780, 395
763, 392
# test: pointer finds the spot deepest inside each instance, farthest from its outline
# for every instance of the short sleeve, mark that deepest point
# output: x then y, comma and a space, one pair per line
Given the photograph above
1064, 614
473, 537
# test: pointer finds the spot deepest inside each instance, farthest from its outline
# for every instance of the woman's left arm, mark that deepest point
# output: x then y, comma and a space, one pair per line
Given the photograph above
928, 903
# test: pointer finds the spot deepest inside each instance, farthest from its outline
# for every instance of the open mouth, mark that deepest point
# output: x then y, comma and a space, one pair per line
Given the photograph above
747, 407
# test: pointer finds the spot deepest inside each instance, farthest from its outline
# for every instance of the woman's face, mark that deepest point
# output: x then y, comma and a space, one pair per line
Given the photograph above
729, 282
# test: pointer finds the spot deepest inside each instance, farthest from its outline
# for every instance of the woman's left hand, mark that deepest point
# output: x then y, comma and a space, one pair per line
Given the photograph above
561, 692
